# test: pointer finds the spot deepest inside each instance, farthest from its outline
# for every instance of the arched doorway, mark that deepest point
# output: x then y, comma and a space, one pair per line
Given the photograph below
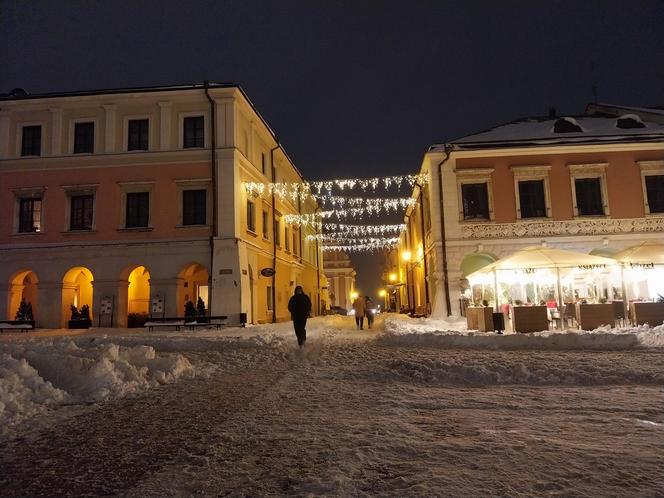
22, 287
138, 292
76, 291
193, 283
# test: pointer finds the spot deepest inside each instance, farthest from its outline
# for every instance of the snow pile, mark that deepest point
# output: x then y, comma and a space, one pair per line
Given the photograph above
403, 331
36, 375
506, 370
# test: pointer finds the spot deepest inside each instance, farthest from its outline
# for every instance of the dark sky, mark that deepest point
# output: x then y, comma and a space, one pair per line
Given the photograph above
352, 88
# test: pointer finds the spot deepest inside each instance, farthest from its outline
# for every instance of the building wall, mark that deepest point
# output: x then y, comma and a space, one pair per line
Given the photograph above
170, 252
625, 225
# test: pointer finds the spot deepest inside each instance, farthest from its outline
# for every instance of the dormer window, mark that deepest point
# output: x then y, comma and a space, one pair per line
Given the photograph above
567, 125
629, 121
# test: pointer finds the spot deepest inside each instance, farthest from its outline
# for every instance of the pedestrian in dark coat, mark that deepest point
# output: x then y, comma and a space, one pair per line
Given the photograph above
299, 306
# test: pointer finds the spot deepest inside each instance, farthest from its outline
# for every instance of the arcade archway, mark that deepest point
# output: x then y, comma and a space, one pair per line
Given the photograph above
138, 291
22, 286
76, 290
193, 282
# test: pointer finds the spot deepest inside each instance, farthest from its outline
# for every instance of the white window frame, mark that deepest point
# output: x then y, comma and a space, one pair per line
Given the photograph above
250, 230
28, 193
194, 184
589, 170
471, 176
97, 135
649, 168
265, 220
19, 137
206, 128
125, 132
74, 190
135, 187
532, 173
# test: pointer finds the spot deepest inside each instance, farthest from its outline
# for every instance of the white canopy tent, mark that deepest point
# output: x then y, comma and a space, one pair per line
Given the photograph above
542, 266
644, 270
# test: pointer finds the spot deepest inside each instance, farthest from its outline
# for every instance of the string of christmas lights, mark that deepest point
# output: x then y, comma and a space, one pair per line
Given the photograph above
305, 190
370, 246
314, 219
357, 230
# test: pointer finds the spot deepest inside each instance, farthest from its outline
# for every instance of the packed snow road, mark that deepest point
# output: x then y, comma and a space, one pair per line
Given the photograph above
356, 414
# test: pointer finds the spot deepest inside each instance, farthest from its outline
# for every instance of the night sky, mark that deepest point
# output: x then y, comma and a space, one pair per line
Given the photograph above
352, 88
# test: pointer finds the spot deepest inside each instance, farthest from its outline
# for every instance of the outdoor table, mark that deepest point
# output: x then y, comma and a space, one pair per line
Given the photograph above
650, 313
590, 316
529, 319
479, 318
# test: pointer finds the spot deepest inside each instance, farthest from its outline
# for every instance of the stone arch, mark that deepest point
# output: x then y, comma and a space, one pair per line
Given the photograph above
76, 290
193, 282
138, 289
23, 285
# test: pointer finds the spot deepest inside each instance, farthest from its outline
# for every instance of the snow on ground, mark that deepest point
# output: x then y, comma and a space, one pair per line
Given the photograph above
410, 408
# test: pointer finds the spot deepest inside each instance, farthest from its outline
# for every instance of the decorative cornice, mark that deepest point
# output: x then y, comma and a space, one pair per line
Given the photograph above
602, 226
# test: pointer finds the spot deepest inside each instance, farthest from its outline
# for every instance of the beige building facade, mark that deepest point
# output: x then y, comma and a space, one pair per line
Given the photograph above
591, 184
119, 199
340, 274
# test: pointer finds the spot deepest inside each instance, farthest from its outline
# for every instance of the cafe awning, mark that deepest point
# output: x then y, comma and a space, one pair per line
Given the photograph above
642, 254
546, 257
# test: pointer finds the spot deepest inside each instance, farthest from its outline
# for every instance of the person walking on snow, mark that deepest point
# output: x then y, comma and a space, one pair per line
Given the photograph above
299, 306
360, 306
370, 310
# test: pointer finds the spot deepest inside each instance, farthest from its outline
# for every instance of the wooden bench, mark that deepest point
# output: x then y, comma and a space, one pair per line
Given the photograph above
180, 321
153, 322
23, 325
207, 321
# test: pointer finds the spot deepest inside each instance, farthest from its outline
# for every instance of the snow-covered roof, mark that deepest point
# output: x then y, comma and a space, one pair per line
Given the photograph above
532, 132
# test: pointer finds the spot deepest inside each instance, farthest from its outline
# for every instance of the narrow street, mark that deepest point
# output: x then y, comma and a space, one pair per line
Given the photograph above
355, 417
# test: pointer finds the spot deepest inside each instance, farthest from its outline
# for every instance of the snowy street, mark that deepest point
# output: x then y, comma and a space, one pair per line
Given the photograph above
407, 409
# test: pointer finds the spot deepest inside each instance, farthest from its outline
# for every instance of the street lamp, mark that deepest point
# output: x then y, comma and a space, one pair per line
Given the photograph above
393, 277
406, 256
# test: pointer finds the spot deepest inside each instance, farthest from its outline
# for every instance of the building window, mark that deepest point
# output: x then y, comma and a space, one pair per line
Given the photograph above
31, 141
251, 216
263, 163
194, 204
29, 215
655, 193
567, 125
81, 212
475, 200
194, 132
266, 225
531, 199
269, 298
84, 138
589, 196
295, 244
287, 238
589, 192
474, 194
652, 178
138, 132
137, 210
277, 231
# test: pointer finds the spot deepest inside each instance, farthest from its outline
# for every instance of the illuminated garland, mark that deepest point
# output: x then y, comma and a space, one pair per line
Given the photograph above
304, 190
314, 219
356, 230
375, 202
336, 239
373, 246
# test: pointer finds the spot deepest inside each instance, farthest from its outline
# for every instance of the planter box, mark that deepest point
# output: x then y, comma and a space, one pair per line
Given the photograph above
480, 319
529, 319
650, 313
591, 316
80, 324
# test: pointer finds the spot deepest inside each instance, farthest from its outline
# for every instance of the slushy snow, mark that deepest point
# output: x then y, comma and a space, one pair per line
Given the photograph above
414, 407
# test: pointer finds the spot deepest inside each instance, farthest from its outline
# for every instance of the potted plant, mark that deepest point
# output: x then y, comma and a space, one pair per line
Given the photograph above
80, 319
190, 312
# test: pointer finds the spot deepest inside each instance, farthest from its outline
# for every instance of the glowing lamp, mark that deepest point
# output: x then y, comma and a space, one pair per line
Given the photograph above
393, 277
353, 295
382, 293
405, 256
